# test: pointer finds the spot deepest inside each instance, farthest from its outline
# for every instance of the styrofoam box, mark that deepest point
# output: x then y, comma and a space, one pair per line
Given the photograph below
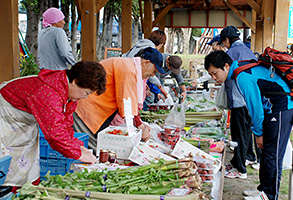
105, 138
183, 148
122, 153
142, 154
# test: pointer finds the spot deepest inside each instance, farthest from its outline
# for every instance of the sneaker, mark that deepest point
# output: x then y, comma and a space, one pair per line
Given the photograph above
228, 166
251, 192
236, 174
259, 196
249, 162
255, 166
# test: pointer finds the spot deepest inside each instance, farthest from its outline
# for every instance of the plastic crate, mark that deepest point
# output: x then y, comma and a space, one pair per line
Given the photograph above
53, 160
4, 165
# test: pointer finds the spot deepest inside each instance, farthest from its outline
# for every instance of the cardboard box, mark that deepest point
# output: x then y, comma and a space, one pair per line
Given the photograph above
142, 154
110, 140
183, 148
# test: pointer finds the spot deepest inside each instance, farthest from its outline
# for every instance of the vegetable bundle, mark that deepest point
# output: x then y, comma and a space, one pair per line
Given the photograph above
156, 179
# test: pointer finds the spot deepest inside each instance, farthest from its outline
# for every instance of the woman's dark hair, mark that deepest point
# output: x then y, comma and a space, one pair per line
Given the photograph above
158, 37
218, 59
88, 74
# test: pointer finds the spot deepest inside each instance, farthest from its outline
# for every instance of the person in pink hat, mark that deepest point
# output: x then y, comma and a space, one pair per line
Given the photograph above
54, 50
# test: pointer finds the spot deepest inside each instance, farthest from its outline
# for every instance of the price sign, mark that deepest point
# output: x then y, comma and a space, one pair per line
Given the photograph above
112, 52
179, 192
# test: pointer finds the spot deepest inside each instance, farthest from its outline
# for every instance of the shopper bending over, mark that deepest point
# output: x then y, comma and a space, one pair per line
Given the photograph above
48, 100
124, 80
271, 114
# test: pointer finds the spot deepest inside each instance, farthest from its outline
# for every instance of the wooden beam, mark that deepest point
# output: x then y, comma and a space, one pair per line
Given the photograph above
163, 13
281, 24
88, 30
254, 5
268, 22
126, 25
235, 10
9, 53
100, 4
147, 18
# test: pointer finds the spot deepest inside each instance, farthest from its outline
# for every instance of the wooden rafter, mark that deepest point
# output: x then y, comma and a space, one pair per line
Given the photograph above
236, 11
254, 5
100, 4
162, 14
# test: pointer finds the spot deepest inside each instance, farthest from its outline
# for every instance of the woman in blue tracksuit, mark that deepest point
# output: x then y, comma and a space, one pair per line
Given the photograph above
271, 114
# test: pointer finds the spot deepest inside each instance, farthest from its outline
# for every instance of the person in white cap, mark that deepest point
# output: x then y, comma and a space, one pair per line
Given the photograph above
54, 50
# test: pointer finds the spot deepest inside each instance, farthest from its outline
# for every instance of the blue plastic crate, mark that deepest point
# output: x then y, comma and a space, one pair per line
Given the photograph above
4, 165
53, 160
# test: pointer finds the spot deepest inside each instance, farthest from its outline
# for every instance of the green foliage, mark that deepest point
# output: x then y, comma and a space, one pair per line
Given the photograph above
28, 66
33, 4
196, 32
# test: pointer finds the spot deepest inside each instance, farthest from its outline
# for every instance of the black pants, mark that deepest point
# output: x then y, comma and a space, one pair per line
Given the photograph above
277, 127
250, 153
240, 123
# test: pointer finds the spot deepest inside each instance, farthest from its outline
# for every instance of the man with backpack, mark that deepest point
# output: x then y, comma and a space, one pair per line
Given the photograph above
240, 121
271, 109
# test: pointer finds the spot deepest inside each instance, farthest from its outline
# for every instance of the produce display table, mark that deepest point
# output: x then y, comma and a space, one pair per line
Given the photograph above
218, 185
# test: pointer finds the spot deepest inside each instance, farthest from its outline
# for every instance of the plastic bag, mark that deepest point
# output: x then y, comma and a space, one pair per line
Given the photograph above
175, 117
222, 99
168, 101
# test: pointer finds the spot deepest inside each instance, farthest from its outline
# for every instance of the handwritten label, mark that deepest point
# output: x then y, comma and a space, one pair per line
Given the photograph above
179, 192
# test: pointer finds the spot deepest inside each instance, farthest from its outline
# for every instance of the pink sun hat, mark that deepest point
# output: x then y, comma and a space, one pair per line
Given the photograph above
51, 16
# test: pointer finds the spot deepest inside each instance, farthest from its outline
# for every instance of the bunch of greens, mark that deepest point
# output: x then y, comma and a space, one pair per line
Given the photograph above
156, 179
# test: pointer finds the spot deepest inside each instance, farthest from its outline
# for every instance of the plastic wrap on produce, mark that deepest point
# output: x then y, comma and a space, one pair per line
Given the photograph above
200, 104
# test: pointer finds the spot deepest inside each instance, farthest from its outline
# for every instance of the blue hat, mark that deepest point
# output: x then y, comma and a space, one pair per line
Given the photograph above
215, 39
229, 32
155, 57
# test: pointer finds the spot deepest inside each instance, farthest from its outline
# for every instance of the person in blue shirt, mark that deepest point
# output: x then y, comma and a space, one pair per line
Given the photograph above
271, 114
153, 95
240, 121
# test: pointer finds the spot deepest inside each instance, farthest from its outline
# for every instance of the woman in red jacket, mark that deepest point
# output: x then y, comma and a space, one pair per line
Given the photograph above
47, 100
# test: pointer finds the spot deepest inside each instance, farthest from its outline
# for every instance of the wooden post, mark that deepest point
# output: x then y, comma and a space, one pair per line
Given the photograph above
126, 25
147, 18
268, 22
88, 30
162, 27
9, 53
258, 39
281, 24
253, 21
